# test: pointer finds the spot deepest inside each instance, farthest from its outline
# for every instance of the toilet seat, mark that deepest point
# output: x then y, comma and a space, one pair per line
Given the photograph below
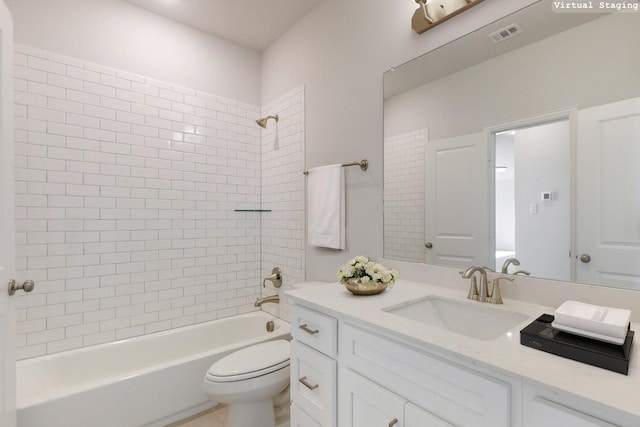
251, 362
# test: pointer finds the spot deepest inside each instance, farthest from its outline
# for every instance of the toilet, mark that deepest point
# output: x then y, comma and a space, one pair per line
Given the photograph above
248, 381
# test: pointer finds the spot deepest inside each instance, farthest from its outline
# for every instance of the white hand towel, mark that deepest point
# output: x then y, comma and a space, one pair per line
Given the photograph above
326, 207
604, 323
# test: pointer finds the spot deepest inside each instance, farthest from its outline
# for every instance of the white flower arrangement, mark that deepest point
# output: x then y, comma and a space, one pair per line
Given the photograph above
366, 271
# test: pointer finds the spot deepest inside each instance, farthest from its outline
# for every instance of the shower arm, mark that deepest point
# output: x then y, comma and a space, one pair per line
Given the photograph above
263, 121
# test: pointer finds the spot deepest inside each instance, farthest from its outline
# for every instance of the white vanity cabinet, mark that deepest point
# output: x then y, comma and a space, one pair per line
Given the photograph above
353, 366
447, 393
382, 380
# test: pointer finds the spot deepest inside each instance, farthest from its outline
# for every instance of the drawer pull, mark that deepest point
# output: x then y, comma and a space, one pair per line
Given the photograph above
304, 382
307, 330
393, 422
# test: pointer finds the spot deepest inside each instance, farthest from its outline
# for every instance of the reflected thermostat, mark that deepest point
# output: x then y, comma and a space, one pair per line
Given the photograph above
547, 196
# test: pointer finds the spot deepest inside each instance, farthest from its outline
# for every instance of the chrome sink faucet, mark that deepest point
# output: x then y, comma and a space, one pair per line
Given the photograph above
483, 294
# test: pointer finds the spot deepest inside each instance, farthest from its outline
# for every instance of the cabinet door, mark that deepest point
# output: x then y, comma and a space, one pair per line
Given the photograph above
366, 404
300, 419
545, 413
418, 417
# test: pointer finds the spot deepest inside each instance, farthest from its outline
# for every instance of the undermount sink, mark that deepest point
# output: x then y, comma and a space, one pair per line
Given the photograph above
470, 318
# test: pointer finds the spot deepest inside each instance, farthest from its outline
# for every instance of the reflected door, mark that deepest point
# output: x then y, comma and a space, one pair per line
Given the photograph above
7, 231
456, 201
608, 196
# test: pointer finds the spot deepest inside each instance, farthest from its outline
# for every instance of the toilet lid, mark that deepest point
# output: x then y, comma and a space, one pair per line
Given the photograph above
252, 361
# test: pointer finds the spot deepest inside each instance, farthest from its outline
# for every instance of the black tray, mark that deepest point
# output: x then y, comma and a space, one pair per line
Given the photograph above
540, 335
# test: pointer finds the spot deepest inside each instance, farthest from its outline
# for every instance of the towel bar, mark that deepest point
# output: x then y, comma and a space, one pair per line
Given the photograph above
364, 165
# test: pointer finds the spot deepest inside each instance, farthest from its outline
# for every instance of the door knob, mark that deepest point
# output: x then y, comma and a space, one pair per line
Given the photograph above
26, 286
585, 258
428, 245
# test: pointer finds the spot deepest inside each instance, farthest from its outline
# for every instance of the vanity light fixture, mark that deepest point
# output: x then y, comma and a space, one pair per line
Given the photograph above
417, 18
434, 12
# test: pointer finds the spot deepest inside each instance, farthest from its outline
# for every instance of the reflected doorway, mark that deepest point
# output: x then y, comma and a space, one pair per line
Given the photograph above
532, 199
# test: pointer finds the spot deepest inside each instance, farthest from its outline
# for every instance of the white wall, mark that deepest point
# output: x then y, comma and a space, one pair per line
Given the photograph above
132, 156
339, 52
126, 190
543, 162
123, 36
505, 194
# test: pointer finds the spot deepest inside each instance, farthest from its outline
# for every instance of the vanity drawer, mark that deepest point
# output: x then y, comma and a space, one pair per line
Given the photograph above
450, 392
313, 383
300, 419
544, 413
316, 330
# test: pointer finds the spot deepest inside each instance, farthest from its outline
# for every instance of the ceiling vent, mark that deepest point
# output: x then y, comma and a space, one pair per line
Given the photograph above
505, 33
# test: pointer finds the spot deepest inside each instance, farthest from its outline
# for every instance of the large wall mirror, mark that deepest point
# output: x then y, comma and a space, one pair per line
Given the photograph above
520, 140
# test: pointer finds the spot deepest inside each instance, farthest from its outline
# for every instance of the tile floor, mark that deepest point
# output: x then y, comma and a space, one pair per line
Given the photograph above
216, 417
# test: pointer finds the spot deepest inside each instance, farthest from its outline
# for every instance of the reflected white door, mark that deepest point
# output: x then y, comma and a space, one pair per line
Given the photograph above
456, 201
608, 196
7, 231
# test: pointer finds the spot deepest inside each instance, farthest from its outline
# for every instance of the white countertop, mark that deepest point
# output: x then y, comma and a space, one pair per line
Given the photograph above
504, 355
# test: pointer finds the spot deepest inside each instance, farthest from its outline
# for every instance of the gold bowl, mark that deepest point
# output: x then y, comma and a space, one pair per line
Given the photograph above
369, 288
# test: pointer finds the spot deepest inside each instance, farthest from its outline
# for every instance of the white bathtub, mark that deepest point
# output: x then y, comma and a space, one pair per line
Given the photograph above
147, 381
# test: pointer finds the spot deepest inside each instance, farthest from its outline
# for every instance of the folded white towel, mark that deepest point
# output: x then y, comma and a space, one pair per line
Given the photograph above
326, 207
589, 334
603, 323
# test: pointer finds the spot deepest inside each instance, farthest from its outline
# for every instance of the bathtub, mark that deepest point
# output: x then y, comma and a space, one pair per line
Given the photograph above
148, 381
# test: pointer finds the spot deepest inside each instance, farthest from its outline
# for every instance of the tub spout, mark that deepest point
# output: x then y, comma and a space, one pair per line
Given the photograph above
272, 298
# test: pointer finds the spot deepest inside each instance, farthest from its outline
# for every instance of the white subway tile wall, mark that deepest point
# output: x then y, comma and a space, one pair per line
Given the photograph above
404, 196
125, 195
283, 186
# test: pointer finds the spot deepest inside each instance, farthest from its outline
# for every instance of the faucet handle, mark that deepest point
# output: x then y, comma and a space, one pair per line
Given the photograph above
523, 272
275, 277
473, 289
496, 296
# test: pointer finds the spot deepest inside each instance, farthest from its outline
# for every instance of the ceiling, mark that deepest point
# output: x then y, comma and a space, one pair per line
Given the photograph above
254, 24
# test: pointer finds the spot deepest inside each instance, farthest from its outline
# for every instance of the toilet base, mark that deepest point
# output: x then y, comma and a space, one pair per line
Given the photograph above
254, 414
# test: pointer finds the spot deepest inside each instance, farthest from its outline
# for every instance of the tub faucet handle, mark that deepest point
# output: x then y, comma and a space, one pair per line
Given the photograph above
275, 277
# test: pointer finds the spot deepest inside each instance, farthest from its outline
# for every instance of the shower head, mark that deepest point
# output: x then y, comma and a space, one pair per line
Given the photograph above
263, 121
